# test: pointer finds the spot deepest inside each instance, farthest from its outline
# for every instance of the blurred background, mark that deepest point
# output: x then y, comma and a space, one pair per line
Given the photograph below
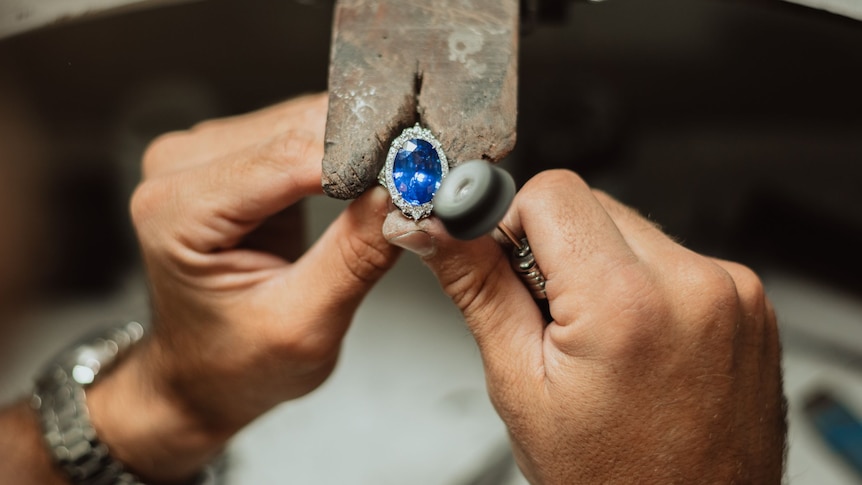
736, 125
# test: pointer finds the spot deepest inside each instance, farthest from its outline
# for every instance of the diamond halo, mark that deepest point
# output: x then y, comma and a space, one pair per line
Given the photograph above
415, 208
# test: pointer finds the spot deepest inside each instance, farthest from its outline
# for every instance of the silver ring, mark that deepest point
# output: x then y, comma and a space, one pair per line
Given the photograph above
415, 166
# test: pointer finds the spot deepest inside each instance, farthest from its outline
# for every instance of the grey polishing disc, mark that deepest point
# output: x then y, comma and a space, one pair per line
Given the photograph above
473, 199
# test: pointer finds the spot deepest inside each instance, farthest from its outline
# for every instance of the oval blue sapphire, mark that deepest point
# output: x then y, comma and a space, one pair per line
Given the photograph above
417, 171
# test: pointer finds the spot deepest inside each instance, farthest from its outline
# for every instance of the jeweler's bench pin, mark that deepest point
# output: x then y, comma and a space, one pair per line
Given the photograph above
472, 201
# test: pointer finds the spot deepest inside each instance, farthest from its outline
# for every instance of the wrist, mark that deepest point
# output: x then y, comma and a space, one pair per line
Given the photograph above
151, 433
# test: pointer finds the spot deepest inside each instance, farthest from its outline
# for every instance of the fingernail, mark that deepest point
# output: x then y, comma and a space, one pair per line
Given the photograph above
417, 242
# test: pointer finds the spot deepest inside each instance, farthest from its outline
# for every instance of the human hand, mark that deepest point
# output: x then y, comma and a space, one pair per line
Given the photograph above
240, 323
661, 365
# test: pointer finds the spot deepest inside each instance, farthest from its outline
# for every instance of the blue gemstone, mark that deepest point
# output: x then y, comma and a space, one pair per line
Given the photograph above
417, 171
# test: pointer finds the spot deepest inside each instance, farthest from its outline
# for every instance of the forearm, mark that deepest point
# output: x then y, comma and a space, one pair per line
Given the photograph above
25, 459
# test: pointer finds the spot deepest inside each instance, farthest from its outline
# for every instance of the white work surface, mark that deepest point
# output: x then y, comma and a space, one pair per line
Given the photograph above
407, 403
822, 334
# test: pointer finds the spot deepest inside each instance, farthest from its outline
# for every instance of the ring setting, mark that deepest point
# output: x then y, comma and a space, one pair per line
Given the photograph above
415, 166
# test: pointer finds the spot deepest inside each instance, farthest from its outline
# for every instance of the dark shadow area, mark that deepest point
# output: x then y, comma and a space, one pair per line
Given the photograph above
735, 125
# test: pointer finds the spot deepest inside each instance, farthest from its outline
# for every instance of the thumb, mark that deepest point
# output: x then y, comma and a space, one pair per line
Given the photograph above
350, 257
477, 275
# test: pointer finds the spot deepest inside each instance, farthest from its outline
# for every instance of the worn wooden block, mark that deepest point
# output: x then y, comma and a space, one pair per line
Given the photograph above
450, 65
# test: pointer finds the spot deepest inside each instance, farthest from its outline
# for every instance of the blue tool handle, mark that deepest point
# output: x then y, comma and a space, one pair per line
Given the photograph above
838, 427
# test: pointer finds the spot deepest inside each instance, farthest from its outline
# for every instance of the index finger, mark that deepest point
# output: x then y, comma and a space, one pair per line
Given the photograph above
212, 206
575, 242
213, 139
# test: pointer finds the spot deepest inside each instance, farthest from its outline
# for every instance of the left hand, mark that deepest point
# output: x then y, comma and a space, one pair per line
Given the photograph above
242, 322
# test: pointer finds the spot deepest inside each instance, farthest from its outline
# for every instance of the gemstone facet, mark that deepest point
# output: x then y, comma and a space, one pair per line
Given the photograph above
417, 172
415, 167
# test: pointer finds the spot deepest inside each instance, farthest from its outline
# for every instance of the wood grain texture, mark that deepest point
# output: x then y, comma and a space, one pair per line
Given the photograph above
450, 65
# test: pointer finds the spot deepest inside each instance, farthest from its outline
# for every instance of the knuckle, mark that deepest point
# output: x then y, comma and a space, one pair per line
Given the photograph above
207, 125
366, 261
604, 198
548, 184
540, 198
146, 200
703, 275
159, 151
469, 284
749, 286
293, 148
769, 311
770, 327
289, 147
147, 209
461, 286
710, 291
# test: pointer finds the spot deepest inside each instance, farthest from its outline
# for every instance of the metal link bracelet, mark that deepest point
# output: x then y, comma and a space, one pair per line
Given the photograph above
60, 400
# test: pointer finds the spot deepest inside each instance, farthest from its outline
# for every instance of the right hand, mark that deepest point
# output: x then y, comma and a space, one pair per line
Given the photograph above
661, 365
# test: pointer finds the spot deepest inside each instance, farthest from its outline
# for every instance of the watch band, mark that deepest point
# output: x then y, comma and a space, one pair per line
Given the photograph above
60, 400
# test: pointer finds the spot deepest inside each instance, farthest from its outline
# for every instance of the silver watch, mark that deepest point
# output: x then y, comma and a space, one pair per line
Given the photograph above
61, 403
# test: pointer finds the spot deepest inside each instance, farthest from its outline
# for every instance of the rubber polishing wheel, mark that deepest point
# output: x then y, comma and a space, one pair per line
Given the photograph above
473, 199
